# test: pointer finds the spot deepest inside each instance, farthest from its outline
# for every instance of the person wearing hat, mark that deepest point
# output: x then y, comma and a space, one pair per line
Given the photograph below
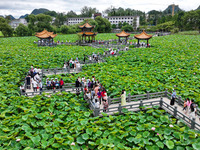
173, 97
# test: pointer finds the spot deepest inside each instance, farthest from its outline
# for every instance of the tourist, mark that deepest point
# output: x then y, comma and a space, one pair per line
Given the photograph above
65, 66
52, 84
99, 95
192, 110
92, 93
85, 89
61, 82
123, 98
40, 86
48, 84
96, 89
35, 70
173, 97
22, 89
96, 105
88, 95
90, 59
104, 94
77, 84
57, 85
105, 105
83, 80
34, 85
188, 105
89, 84
28, 82
185, 106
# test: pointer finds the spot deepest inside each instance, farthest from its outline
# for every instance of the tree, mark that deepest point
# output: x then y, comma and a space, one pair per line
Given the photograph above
71, 14
5, 28
64, 29
22, 30
51, 13
127, 28
60, 19
103, 25
119, 25
114, 26
191, 20
88, 11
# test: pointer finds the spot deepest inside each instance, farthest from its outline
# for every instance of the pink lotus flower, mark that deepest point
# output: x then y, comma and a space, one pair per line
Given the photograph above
194, 73
153, 128
73, 143
157, 133
18, 140
171, 126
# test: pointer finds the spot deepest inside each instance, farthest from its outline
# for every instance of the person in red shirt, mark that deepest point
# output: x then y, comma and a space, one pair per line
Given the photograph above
61, 83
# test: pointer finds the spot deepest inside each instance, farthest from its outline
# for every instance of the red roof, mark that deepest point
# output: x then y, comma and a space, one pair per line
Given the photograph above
123, 34
45, 34
143, 36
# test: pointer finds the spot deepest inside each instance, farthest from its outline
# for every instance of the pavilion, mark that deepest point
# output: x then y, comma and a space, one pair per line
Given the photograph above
123, 34
143, 36
87, 31
46, 37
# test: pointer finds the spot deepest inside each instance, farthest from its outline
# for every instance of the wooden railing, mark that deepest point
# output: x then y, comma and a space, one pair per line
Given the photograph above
140, 101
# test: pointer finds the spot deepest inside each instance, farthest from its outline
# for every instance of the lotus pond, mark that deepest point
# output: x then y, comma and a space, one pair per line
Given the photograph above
64, 121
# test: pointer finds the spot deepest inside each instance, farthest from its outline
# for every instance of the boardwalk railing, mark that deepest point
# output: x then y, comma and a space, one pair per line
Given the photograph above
66, 89
142, 100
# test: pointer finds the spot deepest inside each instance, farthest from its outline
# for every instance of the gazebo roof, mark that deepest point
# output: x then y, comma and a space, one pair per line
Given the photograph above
88, 33
45, 34
143, 36
123, 34
86, 25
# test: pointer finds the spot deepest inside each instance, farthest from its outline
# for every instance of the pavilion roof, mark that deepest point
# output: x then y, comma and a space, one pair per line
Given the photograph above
143, 36
88, 33
123, 34
86, 25
45, 34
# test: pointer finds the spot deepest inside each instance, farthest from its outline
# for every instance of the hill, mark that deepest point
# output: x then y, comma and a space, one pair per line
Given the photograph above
23, 16
198, 7
168, 10
11, 17
39, 11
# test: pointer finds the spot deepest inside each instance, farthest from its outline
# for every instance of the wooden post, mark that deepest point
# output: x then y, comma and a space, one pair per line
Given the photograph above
96, 112
161, 102
179, 100
175, 111
147, 94
141, 104
120, 108
129, 97
166, 93
109, 100
192, 123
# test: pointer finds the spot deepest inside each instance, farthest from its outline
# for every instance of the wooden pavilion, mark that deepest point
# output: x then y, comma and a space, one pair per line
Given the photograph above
87, 31
46, 37
143, 36
123, 34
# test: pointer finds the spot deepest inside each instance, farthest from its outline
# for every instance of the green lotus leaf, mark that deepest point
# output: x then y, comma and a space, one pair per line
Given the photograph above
170, 144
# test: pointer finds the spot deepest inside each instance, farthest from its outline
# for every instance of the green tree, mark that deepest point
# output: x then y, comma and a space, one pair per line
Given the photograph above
88, 11
191, 20
22, 30
127, 28
71, 14
114, 26
103, 25
64, 29
119, 25
60, 19
5, 28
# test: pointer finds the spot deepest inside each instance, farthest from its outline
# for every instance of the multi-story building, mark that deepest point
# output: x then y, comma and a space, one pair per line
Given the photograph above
77, 20
15, 23
132, 20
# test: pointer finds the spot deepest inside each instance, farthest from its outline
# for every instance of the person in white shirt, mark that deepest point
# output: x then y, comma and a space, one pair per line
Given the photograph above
35, 70
90, 58
96, 105
78, 66
34, 85
40, 86
83, 80
88, 95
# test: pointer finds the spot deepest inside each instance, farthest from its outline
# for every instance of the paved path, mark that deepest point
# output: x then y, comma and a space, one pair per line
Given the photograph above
166, 100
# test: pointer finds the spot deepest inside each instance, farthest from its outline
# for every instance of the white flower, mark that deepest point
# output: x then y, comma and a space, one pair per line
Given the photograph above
171, 126
18, 140
72, 143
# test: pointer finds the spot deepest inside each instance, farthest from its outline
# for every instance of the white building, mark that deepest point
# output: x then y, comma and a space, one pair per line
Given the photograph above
15, 23
77, 20
128, 19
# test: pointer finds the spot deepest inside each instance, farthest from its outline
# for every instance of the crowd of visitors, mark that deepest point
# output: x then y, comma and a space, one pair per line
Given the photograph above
72, 64
189, 107
54, 84
93, 91
33, 78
